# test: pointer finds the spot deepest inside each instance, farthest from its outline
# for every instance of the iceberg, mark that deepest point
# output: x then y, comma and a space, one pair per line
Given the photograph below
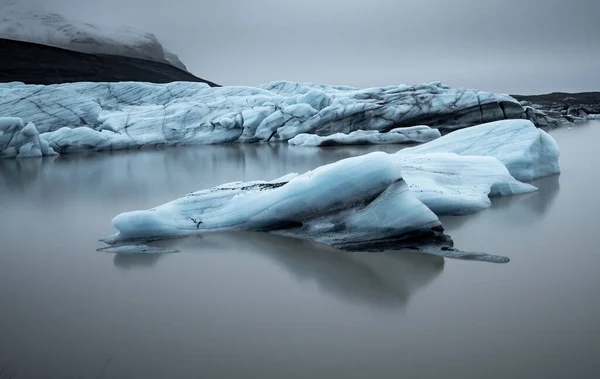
129, 115
373, 202
412, 134
527, 152
356, 203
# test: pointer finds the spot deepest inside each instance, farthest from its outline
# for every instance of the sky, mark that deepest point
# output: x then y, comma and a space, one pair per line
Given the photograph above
508, 46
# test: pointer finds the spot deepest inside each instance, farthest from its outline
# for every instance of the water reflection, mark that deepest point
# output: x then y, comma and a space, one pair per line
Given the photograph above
126, 175
386, 279
514, 210
135, 261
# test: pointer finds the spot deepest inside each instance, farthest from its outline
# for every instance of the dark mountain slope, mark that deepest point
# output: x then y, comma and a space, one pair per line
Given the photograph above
39, 64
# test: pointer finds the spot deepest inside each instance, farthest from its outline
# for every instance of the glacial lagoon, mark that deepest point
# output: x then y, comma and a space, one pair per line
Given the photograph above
255, 305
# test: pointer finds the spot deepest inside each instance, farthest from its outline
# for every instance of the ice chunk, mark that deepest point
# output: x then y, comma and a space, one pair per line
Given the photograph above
359, 202
137, 249
21, 141
526, 151
412, 134
450, 184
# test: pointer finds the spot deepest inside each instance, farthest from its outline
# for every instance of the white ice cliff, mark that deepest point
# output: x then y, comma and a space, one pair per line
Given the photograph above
527, 152
411, 134
110, 116
23, 21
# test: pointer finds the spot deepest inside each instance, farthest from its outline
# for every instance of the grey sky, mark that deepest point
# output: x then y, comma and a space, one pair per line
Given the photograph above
528, 46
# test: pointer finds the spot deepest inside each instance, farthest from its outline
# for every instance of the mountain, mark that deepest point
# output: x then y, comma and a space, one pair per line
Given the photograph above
568, 106
32, 63
33, 23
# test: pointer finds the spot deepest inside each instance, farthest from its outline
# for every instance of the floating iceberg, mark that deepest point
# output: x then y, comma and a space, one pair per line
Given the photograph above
133, 115
354, 203
526, 151
412, 134
360, 203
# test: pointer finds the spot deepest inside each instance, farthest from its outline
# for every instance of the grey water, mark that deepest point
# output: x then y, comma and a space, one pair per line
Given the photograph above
258, 306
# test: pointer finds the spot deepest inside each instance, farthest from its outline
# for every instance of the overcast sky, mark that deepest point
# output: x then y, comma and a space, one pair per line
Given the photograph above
512, 46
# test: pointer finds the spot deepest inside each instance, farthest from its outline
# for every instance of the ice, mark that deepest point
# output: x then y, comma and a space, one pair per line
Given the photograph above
21, 141
23, 21
132, 115
413, 134
358, 202
450, 184
137, 249
526, 151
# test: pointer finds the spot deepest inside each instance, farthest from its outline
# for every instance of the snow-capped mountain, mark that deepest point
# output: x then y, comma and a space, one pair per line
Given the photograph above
33, 23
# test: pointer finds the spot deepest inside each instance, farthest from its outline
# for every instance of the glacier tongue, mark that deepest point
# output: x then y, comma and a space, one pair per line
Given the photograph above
528, 152
132, 115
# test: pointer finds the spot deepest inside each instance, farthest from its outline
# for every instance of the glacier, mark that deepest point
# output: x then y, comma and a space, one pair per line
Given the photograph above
78, 117
29, 22
411, 134
527, 152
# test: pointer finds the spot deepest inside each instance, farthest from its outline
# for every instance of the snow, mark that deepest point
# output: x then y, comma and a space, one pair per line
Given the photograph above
132, 115
527, 152
18, 140
414, 134
349, 204
33, 23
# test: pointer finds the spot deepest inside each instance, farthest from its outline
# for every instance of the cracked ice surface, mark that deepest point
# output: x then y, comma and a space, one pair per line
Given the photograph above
78, 117
21, 141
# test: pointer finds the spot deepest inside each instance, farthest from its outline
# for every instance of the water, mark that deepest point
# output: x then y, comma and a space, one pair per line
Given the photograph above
258, 306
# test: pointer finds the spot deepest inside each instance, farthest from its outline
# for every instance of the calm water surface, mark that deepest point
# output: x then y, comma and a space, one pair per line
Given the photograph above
258, 306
